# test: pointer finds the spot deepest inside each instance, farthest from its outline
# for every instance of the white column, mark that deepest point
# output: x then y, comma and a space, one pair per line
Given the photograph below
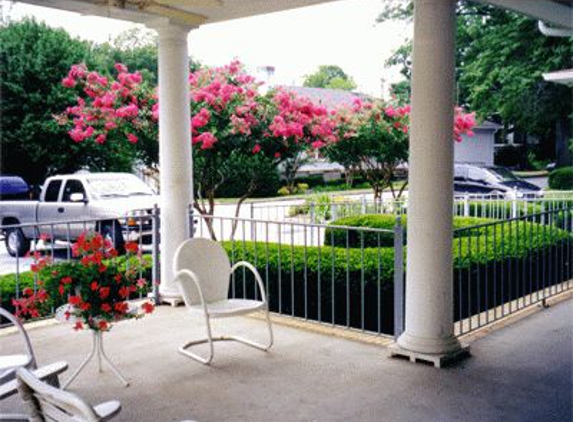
174, 150
429, 289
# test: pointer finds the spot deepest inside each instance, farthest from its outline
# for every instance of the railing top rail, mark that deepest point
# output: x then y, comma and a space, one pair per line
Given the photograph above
510, 220
289, 223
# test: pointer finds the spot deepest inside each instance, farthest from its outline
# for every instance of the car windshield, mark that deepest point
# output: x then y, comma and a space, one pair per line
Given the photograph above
118, 186
503, 174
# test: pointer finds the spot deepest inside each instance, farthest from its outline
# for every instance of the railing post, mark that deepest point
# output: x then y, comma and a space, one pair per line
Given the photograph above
155, 254
312, 213
364, 204
466, 206
191, 222
333, 214
399, 299
514, 204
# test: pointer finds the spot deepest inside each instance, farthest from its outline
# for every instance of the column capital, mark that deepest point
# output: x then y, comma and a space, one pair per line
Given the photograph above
167, 29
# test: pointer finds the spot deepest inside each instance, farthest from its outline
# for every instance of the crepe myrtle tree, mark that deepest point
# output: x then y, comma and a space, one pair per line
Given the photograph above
298, 126
372, 139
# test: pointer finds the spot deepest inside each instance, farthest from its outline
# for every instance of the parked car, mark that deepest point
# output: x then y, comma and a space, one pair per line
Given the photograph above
109, 198
13, 187
470, 179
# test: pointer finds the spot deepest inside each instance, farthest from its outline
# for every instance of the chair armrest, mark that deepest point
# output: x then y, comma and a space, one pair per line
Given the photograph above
108, 410
255, 273
191, 275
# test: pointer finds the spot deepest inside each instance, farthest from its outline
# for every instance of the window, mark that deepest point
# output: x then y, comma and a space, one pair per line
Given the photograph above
52, 191
73, 186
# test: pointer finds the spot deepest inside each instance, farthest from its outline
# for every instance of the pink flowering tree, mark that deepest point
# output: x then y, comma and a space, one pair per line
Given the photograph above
373, 140
113, 111
229, 122
298, 127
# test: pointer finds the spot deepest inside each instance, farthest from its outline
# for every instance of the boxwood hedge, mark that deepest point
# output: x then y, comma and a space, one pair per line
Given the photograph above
357, 238
561, 179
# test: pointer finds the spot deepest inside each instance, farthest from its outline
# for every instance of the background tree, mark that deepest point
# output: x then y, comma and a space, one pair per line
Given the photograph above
33, 60
500, 59
330, 76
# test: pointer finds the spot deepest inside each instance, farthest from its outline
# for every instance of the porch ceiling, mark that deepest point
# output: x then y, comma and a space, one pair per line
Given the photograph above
187, 12
199, 12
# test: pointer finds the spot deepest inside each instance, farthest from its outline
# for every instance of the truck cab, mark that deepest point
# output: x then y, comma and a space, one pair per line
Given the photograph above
71, 204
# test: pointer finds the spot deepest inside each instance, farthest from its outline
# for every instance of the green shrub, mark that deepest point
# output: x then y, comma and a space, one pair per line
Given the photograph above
358, 238
561, 179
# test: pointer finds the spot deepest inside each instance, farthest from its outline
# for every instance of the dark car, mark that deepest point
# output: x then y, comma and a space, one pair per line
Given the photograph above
13, 187
475, 180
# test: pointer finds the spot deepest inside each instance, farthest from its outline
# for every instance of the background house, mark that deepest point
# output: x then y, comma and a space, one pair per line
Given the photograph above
478, 149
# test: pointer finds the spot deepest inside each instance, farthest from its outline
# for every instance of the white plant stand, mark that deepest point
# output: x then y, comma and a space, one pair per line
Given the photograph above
97, 350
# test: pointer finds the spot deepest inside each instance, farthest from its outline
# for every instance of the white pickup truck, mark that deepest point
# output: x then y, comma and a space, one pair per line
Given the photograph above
103, 201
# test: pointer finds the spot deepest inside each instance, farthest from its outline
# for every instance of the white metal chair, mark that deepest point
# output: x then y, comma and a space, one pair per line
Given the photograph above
47, 403
10, 363
203, 270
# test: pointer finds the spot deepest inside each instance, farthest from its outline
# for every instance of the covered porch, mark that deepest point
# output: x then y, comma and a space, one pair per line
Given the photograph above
519, 372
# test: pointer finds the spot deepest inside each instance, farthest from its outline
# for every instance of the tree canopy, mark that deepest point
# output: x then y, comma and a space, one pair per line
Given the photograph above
330, 76
33, 60
500, 59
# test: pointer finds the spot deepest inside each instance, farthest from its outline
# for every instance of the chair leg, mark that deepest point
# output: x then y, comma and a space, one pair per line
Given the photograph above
206, 360
254, 344
211, 340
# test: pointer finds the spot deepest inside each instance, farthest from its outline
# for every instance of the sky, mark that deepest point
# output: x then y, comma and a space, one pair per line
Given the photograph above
294, 42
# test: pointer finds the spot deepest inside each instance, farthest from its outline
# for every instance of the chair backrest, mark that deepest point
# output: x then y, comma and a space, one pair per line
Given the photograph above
27, 344
47, 403
209, 261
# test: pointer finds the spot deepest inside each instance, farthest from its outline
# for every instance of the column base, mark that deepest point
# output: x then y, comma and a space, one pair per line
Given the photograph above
173, 299
439, 360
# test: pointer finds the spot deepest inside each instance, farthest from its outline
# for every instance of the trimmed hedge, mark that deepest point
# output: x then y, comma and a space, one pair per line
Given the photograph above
357, 238
561, 179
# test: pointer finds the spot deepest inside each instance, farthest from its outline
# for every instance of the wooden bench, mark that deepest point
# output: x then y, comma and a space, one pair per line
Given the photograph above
48, 373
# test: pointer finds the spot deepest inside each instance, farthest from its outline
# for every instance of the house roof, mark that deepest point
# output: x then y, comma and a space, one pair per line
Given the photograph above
330, 98
564, 77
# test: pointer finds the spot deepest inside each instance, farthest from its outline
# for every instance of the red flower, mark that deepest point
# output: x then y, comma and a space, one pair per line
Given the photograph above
106, 307
148, 307
61, 289
104, 292
79, 326
117, 278
94, 286
121, 307
141, 283
124, 292
85, 306
66, 280
102, 269
103, 325
131, 247
74, 300
28, 291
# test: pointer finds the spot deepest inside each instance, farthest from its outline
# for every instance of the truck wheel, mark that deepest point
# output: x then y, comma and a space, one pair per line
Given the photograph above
16, 242
112, 231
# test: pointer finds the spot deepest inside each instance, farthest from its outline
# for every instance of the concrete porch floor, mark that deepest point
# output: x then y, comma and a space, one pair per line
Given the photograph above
522, 372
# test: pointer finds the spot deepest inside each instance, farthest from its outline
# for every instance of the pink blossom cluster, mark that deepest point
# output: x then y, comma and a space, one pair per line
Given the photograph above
463, 123
224, 101
299, 122
110, 107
